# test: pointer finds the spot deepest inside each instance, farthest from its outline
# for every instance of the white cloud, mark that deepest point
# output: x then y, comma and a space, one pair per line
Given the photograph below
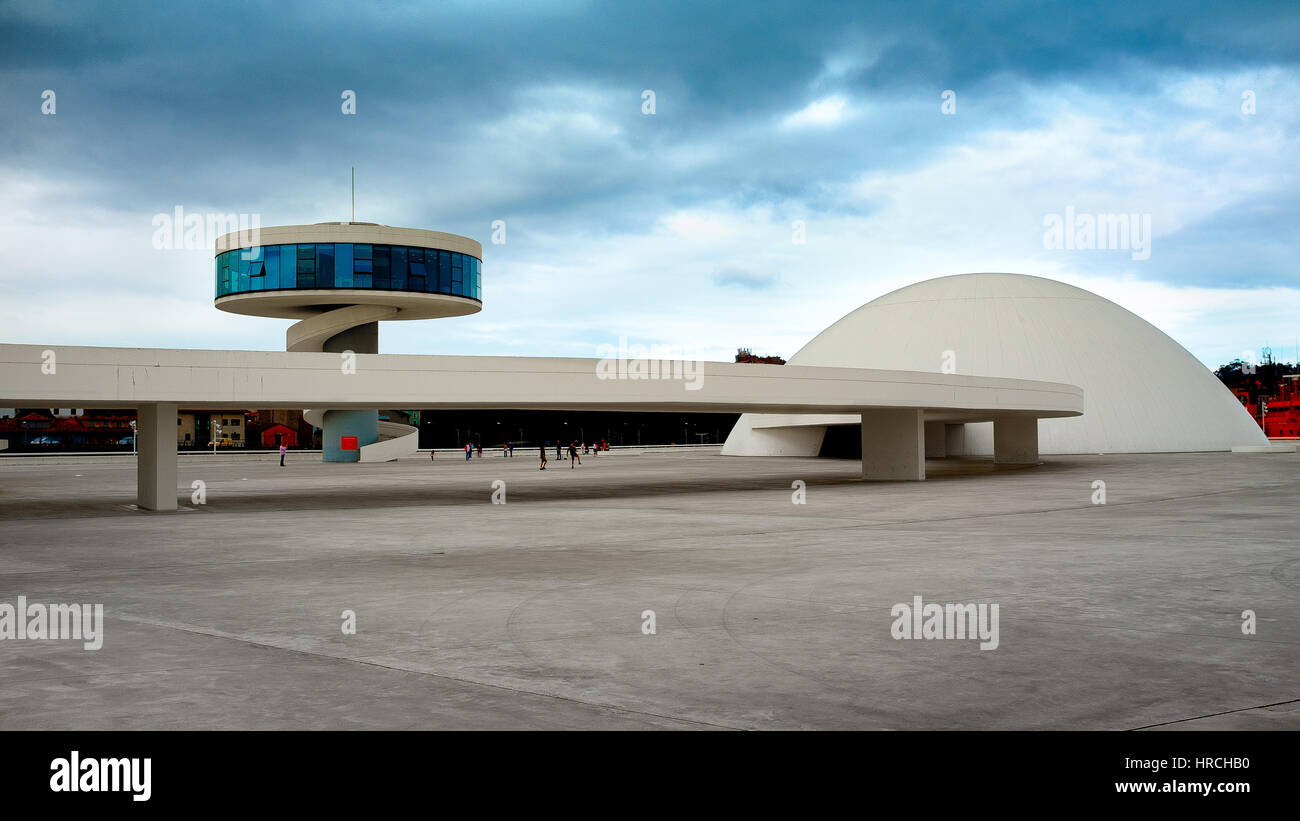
827, 111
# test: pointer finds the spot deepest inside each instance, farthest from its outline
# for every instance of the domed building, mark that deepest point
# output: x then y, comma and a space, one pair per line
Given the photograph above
1143, 392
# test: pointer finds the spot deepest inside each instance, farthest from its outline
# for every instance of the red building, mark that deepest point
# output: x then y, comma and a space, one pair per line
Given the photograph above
1279, 414
44, 429
279, 434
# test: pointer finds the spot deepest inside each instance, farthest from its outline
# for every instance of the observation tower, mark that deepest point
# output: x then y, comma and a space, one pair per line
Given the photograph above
340, 280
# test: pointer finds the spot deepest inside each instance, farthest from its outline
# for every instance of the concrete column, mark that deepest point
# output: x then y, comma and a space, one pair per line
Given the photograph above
1015, 440
361, 339
936, 442
955, 439
893, 445
155, 464
363, 424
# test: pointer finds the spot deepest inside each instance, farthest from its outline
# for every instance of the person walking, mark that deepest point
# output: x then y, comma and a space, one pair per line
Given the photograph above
430, 454
480, 450
511, 445
574, 459
558, 455
283, 451
543, 449
468, 451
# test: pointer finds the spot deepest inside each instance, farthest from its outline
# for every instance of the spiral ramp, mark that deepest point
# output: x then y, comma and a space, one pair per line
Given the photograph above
312, 335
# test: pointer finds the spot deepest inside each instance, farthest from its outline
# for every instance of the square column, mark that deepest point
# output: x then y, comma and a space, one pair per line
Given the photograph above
155, 464
1015, 440
893, 445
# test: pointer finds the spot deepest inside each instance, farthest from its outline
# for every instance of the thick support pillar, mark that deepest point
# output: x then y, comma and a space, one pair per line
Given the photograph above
346, 425
155, 464
936, 443
342, 426
1015, 440
361, 339
893, 445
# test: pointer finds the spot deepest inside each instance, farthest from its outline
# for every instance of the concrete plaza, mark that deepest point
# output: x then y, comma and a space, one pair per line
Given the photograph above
769, 614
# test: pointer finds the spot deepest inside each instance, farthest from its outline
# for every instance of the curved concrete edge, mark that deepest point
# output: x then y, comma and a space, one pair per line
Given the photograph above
310, 334
803, 420
395, 441
799, 440
363, 232
305, 303
154, 381
129, 377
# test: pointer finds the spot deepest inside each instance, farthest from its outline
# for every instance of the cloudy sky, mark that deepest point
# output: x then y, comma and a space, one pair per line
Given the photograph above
677, 227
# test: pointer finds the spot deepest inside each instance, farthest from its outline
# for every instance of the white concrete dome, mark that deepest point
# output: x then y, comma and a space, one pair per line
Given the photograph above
1143, 392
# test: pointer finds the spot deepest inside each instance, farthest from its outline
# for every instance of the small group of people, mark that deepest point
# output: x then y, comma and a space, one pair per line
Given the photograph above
469, 451
508, 450
575, 457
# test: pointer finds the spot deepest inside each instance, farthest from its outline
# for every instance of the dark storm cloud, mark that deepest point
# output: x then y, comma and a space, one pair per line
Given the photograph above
239, 80
235, 106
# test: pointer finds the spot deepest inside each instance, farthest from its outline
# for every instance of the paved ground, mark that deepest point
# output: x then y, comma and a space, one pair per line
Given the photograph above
768, 614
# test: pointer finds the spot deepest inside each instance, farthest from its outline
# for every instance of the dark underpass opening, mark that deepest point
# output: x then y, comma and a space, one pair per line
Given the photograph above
842, 442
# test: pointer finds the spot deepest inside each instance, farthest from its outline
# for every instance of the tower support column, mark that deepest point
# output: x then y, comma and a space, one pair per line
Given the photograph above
341, 427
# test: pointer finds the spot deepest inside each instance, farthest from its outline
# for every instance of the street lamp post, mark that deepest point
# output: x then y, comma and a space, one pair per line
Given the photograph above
216, 434
133, 436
